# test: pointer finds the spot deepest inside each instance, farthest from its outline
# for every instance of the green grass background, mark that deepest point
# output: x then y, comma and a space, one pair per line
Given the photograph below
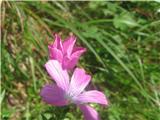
123, 56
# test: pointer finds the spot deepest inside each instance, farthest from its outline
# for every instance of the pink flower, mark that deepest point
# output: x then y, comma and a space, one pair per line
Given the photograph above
65, 52
67, 91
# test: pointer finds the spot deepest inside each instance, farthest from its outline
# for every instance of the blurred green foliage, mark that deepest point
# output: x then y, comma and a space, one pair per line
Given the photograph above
123, 56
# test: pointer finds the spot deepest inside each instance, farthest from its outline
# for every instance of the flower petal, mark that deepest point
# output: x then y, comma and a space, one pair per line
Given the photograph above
89, 112
92, 96
68, 45
54, 68
78, 51
55, 54
69, 63
78, 82
54, 95
57, 43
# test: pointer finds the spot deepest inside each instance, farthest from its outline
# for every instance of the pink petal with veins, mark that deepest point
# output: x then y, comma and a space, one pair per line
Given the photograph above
92, 96
89, 112
78, 82
54, 95
54, 68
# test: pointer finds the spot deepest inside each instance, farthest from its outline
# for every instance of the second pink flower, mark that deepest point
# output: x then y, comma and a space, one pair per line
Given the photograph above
66, 53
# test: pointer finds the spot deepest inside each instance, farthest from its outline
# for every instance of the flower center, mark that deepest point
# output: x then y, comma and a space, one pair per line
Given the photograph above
69, 98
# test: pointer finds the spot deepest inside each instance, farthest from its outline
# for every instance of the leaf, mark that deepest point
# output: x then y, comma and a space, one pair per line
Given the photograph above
124, 21
2, 95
